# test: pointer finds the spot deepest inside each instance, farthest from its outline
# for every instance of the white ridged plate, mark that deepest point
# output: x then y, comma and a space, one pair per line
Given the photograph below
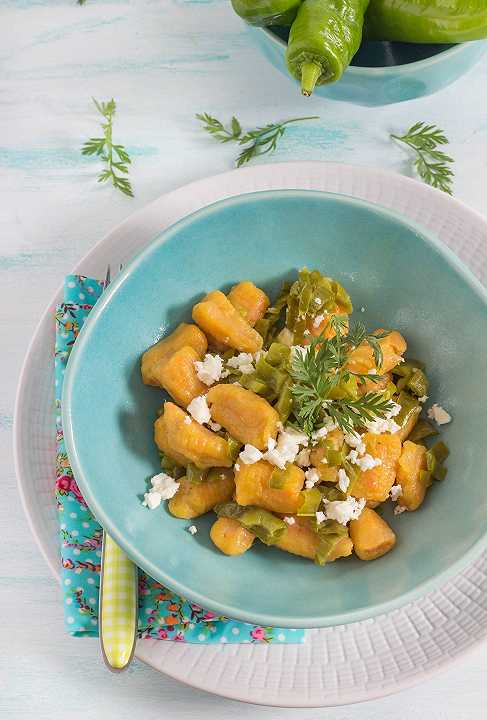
337, 665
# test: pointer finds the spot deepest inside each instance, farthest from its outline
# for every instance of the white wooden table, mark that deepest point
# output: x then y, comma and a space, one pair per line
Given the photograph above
163, 61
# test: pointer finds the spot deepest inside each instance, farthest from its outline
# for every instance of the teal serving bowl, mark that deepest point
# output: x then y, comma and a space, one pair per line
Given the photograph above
404, 278
382, 73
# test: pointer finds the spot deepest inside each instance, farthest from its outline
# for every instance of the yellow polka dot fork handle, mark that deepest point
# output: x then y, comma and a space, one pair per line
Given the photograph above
118, 606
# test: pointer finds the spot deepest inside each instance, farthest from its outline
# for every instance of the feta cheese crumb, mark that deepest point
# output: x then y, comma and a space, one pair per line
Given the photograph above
199, 410
367, 462
318, 301
439, 414
320, 517
318, 320
164, 487
354, 440
187, 420
152, 500
387, 423
214, 426
423, 399
372, 371
289, 520
303, 458
286, 448
312, 477
362, 309
250, 455
343, 480
344, 510
399, 509
210, 369
396, 492
243, 362
192, 529
236, 467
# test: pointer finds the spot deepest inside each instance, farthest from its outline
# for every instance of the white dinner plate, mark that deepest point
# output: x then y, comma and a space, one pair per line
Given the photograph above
336, 665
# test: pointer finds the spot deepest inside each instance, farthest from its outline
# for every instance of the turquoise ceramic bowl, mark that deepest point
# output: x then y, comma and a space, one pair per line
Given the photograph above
383, 73
403, 278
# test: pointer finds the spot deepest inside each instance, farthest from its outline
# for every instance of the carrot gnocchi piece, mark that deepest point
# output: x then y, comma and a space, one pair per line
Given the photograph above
186, 441
216, 315
374, 484
265, 485
250, 301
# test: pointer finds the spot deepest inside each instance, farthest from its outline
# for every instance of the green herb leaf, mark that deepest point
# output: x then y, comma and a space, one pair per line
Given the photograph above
432, 165
260, 141
114, 156
318, 374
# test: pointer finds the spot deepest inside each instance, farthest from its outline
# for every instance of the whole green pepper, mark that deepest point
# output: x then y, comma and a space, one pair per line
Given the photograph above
267, 12
426, 21
323, 40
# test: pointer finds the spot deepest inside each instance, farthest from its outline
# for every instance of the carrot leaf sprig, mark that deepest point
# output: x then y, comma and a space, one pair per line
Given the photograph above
259, 141
432, 165
319, 370
115, 157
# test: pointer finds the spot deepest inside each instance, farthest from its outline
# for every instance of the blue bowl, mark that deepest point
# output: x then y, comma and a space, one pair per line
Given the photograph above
404, 278
382, 73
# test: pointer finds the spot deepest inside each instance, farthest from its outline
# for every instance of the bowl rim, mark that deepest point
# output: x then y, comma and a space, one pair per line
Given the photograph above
138, 558
446, 54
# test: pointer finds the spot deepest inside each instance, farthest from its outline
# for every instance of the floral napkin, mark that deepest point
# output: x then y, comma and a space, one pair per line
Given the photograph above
162, 614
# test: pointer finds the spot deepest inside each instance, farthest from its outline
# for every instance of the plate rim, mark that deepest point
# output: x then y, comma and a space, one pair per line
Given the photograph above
72, 372
302, 174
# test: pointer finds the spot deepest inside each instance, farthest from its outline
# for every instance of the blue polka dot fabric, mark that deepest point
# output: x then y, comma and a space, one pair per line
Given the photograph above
162, 614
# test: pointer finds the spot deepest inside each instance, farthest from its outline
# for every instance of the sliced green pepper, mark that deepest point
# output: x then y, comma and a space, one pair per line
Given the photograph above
266, 526
267, 12
418, 383
268, 326
310, 295
330, 533
426, 21
284, 403
310, 501
421, 431
409, 407
171, 467
324, 37
195, 474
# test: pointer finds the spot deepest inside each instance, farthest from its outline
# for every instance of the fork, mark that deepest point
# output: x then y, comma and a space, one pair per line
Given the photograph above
118, 598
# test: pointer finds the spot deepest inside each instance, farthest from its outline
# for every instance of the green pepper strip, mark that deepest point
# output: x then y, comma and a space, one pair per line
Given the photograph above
266, 526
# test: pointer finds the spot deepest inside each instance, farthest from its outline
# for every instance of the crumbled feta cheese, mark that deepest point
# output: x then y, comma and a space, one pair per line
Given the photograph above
362, 309
286, 448
423, 399
236, 467
257, 355
199, 410
439, 414
187, 420
312, 477
344, 510
318, 320
367, 462
243, 362
289, 520
387, 423
396, 492
395, 410
302, 458
250, 455
306, 332
320, 517
271, 443
372, 371
343, 480
210, 369
152, 500
399, 509
214, 426
164, 487
192, 529
318, 301
381, 425
352, 456
354, 440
